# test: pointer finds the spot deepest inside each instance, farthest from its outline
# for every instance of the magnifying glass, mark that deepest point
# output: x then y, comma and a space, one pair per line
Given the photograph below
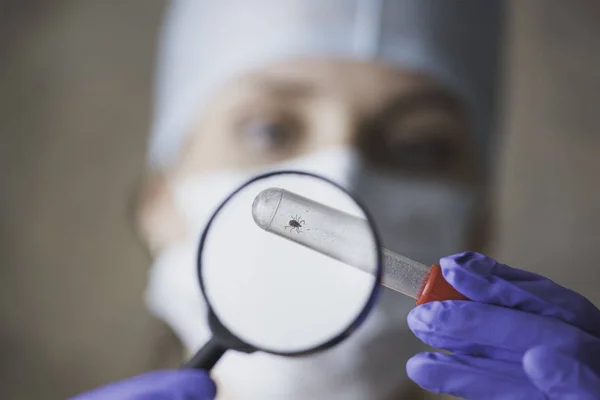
290, 291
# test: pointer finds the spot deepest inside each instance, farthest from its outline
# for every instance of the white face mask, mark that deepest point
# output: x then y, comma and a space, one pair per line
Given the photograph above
420, 220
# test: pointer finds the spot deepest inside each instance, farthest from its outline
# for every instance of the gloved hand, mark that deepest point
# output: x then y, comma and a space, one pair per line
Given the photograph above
183, 384
523, 336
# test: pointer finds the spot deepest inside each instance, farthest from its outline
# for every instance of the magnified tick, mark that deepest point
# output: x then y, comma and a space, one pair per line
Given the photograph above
295, 224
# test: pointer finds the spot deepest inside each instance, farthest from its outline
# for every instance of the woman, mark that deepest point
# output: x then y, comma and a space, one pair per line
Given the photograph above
394, 100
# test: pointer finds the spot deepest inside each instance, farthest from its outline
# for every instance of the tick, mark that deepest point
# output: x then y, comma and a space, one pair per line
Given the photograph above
295, 223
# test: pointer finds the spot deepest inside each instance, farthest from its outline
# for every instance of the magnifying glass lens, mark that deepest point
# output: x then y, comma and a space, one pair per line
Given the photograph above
262, 278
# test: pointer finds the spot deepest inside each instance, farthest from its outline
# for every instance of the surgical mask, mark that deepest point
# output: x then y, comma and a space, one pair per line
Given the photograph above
423, 219
369, 364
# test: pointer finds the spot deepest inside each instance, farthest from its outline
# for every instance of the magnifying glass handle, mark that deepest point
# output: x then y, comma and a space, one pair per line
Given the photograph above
436, 288
207, 356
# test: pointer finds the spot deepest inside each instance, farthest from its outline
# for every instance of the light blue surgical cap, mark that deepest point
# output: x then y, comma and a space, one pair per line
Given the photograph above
206, 42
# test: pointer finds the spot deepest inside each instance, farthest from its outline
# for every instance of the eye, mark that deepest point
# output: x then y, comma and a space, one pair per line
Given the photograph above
419, 139
422, 155
428, 141
269, 133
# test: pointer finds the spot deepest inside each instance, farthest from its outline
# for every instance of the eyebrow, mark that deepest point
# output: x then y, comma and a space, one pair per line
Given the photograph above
285, 89
421, 99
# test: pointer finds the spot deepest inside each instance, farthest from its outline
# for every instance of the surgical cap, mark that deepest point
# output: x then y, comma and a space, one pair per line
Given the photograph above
204, 43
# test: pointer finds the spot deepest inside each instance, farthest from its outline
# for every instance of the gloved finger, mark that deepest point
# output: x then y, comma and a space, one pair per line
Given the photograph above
491, 331
484, 280
560, 377
470, 377
177, 384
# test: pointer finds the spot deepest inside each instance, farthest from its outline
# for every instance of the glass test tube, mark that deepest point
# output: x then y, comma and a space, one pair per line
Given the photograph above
329, 231
343, 236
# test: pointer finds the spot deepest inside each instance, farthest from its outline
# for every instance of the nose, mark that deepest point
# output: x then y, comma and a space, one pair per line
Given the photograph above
333, 124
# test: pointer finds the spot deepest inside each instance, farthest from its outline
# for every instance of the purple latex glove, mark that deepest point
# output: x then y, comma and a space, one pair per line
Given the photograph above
522, 337
182, 384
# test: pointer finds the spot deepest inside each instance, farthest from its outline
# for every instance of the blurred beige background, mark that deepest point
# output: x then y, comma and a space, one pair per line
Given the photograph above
75, 87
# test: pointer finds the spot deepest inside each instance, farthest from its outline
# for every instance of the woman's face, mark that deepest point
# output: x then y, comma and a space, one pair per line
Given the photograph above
398, 121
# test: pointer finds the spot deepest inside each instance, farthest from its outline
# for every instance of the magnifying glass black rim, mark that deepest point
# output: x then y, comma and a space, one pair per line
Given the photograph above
345, 332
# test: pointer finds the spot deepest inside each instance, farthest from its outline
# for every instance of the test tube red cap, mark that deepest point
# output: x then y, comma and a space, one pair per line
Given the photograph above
436, 288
